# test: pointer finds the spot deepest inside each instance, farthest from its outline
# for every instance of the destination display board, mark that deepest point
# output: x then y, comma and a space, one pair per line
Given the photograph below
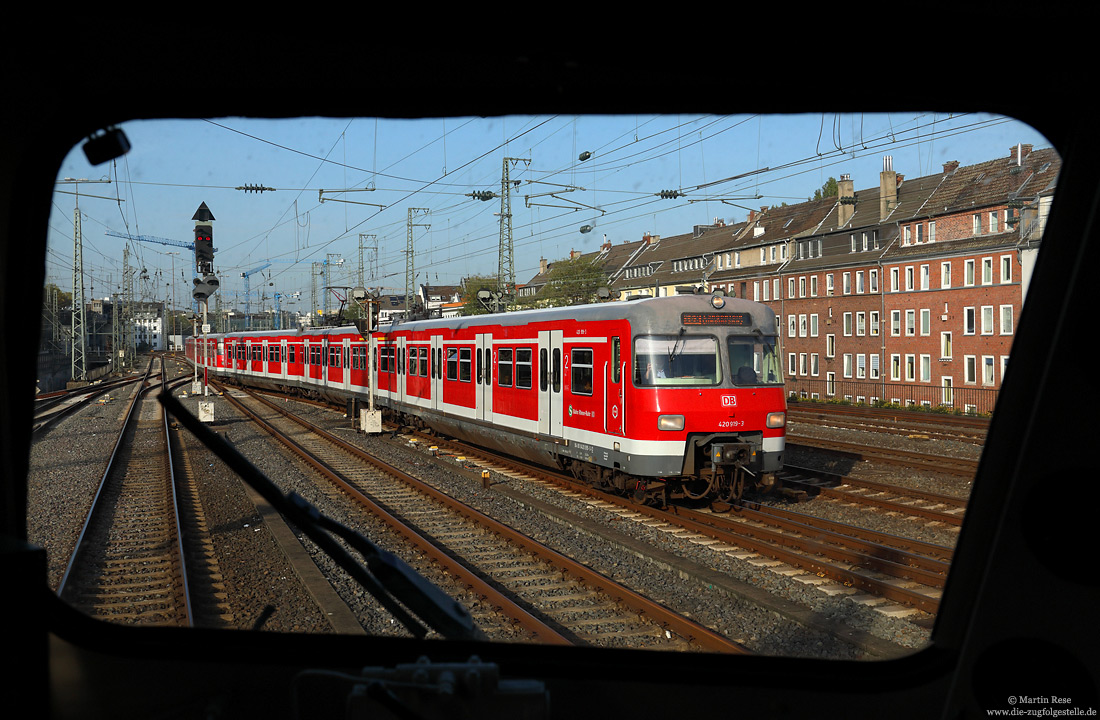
724, 319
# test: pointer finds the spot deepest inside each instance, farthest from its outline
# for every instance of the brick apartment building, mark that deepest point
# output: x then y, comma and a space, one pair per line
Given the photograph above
909, 291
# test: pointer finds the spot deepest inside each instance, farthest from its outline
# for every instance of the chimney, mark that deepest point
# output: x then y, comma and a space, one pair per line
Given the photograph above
888, 188
650, 239
574, 254
1018, 152
606, 244
950, 166
543, 266
847, 197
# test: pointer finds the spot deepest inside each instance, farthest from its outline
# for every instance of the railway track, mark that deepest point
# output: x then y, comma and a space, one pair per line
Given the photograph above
884, 569
933, 507
554, 598
956, 467
51, 409
129, 565
963, 428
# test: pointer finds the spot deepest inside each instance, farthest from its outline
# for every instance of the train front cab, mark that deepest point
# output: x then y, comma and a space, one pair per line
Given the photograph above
707, 406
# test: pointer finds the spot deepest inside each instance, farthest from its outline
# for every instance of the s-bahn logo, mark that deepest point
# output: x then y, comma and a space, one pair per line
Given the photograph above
729, 401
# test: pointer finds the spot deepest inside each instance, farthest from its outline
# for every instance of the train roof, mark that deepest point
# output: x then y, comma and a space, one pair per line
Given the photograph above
655, 314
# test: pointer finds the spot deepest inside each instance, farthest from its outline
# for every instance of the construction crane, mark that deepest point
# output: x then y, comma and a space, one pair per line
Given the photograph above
247, 289
151, 239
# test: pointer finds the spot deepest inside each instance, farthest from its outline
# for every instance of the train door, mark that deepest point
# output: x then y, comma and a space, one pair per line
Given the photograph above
550, 382
401, 361
283, 364
614, 370
345, 360
484, 377
372, 366
436, 361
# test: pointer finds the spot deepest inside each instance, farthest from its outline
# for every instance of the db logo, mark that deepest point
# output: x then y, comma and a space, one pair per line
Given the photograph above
729, 401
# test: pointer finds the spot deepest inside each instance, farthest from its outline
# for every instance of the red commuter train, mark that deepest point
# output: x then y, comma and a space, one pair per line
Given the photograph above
659, 398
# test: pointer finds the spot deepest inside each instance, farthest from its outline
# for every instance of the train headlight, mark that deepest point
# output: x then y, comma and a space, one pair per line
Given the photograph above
718, 302
777, 419
670, 422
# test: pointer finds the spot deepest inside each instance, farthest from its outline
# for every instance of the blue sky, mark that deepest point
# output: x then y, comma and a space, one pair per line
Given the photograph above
721, 165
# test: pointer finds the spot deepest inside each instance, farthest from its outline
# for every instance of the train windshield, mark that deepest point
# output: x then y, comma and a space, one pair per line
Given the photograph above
676, 360
754, 361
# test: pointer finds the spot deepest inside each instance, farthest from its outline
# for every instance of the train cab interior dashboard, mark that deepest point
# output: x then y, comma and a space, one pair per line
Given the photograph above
1018, 613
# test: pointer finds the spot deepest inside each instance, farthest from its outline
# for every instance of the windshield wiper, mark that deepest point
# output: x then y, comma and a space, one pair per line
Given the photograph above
389, 579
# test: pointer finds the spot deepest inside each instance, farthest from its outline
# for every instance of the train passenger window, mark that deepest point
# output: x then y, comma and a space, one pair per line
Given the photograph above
290, 353
479, 366
523, 368
580, 377
464, 363
676, 360
616, 361
556, 379
423, 362
452, 363
543, 365
504, 367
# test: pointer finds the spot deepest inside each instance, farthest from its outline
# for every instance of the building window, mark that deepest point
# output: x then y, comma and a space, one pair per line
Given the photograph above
874, 323
969, 321
1006, 268
945, 346
987, 370
1006, 319
969, 279
970, 369
987, 320
945, 275
830, 345
987, 271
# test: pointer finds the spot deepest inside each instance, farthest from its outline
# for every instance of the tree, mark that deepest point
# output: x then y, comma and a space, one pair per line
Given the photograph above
470, 288
829, 189
573, 282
